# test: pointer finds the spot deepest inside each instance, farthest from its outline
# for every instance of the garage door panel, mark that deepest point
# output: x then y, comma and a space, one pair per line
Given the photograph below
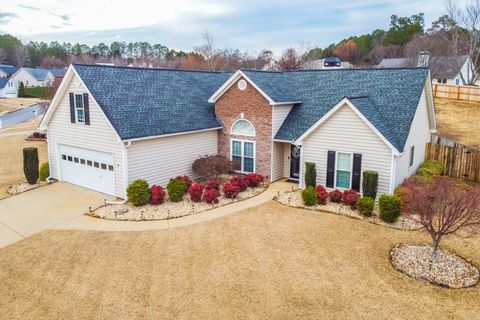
87, 168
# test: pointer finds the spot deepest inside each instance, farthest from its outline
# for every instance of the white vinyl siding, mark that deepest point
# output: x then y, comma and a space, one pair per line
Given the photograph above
98, 136
279, 115
418, 137
158, 160
278, 161
345, 131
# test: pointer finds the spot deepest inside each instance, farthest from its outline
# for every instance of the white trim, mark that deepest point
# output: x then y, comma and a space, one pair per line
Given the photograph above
125, 168
432, 121
336, 168
246, 135
411, 157
285, 103
271, 147
170, 134
346, 101
242, 152
75, 95
284, 141
392, 174
301, 178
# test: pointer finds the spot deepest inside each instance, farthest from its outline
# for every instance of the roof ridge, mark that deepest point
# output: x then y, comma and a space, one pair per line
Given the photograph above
339, 69
146, 68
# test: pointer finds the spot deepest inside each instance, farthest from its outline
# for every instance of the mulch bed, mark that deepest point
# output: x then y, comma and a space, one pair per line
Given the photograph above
23, 186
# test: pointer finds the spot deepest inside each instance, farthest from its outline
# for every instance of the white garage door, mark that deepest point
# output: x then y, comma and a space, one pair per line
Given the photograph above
87, 168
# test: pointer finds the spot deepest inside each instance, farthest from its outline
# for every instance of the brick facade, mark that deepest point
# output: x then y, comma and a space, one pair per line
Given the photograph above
258, 111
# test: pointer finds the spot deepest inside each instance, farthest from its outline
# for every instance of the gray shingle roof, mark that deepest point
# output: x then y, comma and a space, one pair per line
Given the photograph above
3, 82
8, 69
149, 102
58, 72
397, 63
38, 73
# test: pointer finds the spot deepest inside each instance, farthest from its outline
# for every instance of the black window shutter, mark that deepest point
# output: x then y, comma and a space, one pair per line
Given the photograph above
86, 107
72, 107
357, 170
330, 169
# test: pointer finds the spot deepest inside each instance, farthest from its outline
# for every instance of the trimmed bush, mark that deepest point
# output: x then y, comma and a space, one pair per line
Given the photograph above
350, 198
157, 195
240, 181
196, 192
44, 171
370, 184
365, 206
21, 90
138, 192
30, 164
309, 196
231, 190
335, 196
310, 174
322, 197
430, 168
390, 208
212, 184
187, 180
211, 196
176, 189
254, 179
320, 188
213, 165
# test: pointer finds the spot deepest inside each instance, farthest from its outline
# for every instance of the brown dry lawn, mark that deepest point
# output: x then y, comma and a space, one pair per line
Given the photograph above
12, 104
12, 141
270, 262
459, 120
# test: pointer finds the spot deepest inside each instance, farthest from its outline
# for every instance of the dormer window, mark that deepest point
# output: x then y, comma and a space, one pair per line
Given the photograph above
243, 128
79, 109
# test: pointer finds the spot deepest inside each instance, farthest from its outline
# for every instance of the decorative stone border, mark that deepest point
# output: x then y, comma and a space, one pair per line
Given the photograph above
443, 253
143, 217
21, 187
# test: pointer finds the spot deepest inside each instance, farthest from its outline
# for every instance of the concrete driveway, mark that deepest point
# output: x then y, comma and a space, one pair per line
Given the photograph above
43, 208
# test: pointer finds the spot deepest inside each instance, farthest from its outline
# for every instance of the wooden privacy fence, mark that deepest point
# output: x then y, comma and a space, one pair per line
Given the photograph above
459, 162
454, 92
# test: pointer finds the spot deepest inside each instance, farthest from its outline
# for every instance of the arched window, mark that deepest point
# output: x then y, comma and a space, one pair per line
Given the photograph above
243, 127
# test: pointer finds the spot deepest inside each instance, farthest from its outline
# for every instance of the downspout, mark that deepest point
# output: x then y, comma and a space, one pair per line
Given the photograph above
125, 174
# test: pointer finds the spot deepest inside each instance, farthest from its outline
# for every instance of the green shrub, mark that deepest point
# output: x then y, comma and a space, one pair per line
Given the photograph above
390, 208
21, 90
370, 184
30, 164
310, 174
365, 206
309, 196
176, 189
430, 168
44, 171
138, 192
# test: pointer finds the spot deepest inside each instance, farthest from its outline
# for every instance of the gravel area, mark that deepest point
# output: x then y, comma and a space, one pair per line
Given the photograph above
20, 187
449, 270
168, 209
294, 199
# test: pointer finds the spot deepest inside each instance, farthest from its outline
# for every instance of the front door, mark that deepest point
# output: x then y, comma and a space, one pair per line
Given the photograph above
294, 162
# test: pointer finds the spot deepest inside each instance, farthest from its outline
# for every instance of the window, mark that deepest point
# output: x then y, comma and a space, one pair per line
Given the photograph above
75, 160
344, 170
412, 156
110, 167
457, 81
243, 153
103, 166
64, 157
79, 108
243, 128
89, 163
444, 81
439, 80
82, 161
70, 158
96, 164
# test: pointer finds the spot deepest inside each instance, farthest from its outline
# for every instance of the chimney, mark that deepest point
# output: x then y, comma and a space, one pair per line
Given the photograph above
423, 59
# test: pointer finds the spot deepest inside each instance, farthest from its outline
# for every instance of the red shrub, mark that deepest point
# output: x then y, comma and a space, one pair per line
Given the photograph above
212, 184
336, 196
196, 191
187, 180
322, 197
350, 198
319, 188
240, 181
211, 196
157, 194
254, 179
231, 190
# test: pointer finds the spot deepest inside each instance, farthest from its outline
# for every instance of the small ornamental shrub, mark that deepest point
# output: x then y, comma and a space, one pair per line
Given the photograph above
310, 174
403, 193
157, 194
350, 198
254, 179
211, 196
44, 171
370, 184
187, 180
176, 189
30, 164
138, 192
430, 168
322, 197
21, 90
335, 196
231, 190
212, 184
309, 196
390, 208
240, 181
196, 192
365, 206
320, 188
213, 166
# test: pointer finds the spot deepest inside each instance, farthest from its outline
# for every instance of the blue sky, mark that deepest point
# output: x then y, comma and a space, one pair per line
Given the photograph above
250, 25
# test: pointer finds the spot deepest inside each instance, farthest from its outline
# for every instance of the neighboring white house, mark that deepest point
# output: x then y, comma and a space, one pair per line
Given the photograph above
7, 70
102, 134
33, 77
7, 88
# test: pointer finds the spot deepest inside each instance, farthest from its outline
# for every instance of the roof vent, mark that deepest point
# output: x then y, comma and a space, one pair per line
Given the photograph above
242, 84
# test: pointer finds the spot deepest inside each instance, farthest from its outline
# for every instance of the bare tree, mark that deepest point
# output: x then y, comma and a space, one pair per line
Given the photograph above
20, 56
208, 51
442, 208
465, 37
290, 60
